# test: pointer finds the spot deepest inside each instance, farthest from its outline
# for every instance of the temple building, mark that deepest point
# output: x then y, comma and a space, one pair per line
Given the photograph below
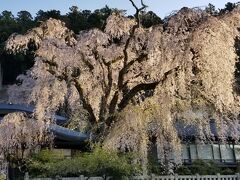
225, 153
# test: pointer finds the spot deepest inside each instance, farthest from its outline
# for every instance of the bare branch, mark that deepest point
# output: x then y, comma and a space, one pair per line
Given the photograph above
134, 5
127, 97
143, 5
134, 91
88, 64
138, 10
86, 105
113, 104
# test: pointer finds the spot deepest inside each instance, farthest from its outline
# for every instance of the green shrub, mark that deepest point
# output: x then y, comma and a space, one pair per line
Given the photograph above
199, 167
183, 170
40, 165
154, 166
97, 163
3, 177
227, 171
204, 167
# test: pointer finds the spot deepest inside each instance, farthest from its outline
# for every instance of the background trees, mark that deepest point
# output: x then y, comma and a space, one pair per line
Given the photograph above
149, 19
12, 65
25, 21
210, 9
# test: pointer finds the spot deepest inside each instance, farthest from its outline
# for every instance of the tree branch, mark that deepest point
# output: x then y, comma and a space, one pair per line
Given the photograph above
126, 98
51, 65
138, 10
86, 105
87, 63
124, 102
126, 65
64, 77
107, 90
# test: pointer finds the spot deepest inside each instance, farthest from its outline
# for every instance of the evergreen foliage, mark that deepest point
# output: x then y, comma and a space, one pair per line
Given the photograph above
97, 163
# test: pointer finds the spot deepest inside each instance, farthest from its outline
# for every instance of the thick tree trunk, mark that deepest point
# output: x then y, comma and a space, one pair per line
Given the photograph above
14, 173
11, 174
1, 76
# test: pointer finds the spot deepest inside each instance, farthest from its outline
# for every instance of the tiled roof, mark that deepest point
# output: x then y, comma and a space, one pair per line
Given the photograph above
66, 136
9, 108
191, 131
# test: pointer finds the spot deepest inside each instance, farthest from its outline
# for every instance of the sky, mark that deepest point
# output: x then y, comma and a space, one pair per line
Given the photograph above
160, 7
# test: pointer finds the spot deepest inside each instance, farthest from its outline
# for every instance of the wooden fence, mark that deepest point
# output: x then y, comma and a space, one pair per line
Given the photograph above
152, 177
190, 177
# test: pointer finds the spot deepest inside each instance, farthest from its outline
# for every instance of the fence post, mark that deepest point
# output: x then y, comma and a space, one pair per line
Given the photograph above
198, 176
26, 176
176, 176
218, 176
238, 176
82, 177
153, 176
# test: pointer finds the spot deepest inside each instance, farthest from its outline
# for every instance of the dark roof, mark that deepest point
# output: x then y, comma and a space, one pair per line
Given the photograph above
63, 136
9, 108
190, 131
66, 134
